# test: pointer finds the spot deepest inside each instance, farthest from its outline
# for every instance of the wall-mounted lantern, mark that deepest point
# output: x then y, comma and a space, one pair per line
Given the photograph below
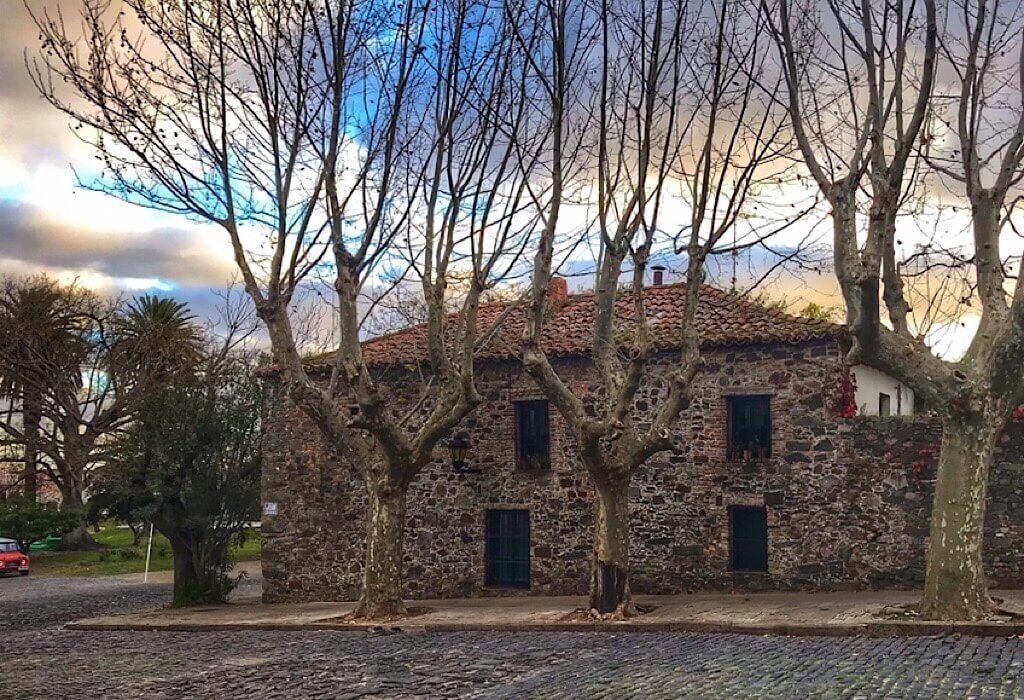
458, 448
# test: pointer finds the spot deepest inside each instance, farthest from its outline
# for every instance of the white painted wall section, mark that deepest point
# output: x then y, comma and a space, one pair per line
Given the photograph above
871, 384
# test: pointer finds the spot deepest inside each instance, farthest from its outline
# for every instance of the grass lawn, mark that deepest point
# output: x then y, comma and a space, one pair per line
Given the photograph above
120, 557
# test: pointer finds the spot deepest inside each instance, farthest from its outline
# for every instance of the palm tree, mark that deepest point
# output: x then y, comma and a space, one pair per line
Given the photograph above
153, 340
86, 366
135, 351
139, 348
41, 345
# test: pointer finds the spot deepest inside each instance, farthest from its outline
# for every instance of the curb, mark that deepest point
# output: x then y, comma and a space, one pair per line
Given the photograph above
870, 629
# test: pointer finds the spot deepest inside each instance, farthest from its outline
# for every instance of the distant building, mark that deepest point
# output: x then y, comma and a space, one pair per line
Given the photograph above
878, 394
773, 488
10, 479
12, 470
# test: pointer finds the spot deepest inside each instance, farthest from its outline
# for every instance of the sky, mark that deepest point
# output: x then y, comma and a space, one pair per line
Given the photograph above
49, 225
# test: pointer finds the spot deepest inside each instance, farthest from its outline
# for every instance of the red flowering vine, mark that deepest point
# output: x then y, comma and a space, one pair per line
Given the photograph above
925, 456
847, 403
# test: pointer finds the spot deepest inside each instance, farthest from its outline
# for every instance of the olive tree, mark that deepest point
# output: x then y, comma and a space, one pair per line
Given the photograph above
190, 463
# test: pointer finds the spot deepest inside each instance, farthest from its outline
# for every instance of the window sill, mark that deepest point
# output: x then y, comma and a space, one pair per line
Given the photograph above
747, 462
534, 470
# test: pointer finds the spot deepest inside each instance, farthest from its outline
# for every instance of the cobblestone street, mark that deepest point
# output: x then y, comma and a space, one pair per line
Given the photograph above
42, 660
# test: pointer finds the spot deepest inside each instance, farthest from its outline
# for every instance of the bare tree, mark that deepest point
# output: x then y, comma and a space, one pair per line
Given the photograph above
860, 94
321, 136
672, 103
983, 47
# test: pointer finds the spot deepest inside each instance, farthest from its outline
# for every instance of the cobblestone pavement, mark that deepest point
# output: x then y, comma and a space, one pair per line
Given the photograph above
42, 660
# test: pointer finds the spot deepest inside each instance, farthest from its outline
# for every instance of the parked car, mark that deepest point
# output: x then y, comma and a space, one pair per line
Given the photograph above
12, 559
45, 545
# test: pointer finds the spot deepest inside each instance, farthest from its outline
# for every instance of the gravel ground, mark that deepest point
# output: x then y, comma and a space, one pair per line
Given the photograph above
42, 660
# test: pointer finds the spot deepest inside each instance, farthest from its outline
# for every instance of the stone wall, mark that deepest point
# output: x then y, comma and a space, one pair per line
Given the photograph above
847, 501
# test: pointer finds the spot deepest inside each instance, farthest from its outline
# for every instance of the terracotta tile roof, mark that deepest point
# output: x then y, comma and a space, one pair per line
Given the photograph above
722, 320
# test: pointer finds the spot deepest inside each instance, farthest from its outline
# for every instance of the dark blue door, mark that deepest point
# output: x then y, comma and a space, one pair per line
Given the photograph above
508, 549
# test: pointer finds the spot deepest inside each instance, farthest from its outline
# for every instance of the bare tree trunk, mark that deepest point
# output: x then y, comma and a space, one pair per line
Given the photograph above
32, 409
955, 586
609, 582
78, 539
186, 580
381, 596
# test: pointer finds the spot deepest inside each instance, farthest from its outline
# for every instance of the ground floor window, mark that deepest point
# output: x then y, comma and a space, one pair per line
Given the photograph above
508, 549
748, 541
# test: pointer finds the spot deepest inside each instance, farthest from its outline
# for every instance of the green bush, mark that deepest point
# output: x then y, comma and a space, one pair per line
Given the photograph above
26, 520
129, 554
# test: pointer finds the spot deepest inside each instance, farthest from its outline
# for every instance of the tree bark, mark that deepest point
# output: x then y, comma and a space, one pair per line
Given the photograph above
609, 581
32, 410
187, 585
78, 539
381, 596
955, 585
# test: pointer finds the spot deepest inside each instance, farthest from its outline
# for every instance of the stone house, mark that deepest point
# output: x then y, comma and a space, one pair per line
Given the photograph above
773, 488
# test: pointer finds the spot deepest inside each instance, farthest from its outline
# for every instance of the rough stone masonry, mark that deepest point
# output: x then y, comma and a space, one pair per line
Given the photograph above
846, 501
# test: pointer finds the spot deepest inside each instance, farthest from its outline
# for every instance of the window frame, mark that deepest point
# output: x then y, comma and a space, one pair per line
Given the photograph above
888, 404
539, 461
733, 509
734, 453
493, 560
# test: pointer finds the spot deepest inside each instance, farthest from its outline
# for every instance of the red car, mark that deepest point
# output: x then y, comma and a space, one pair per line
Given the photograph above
11, 558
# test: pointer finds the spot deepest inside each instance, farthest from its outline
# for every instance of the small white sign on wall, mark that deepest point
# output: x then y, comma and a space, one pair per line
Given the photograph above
270, 508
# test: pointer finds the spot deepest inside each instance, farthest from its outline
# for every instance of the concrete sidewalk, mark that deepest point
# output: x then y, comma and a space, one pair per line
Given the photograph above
819, 614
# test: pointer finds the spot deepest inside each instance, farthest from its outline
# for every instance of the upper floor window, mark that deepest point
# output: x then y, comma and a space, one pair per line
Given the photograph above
750, 427
533, 435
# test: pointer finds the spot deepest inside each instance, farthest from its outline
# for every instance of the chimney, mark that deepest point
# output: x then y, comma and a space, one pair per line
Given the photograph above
558, 289
659, 274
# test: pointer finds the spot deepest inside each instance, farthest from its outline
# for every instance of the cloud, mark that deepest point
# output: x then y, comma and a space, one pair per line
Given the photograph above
48, 225
31, 131
162, 257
